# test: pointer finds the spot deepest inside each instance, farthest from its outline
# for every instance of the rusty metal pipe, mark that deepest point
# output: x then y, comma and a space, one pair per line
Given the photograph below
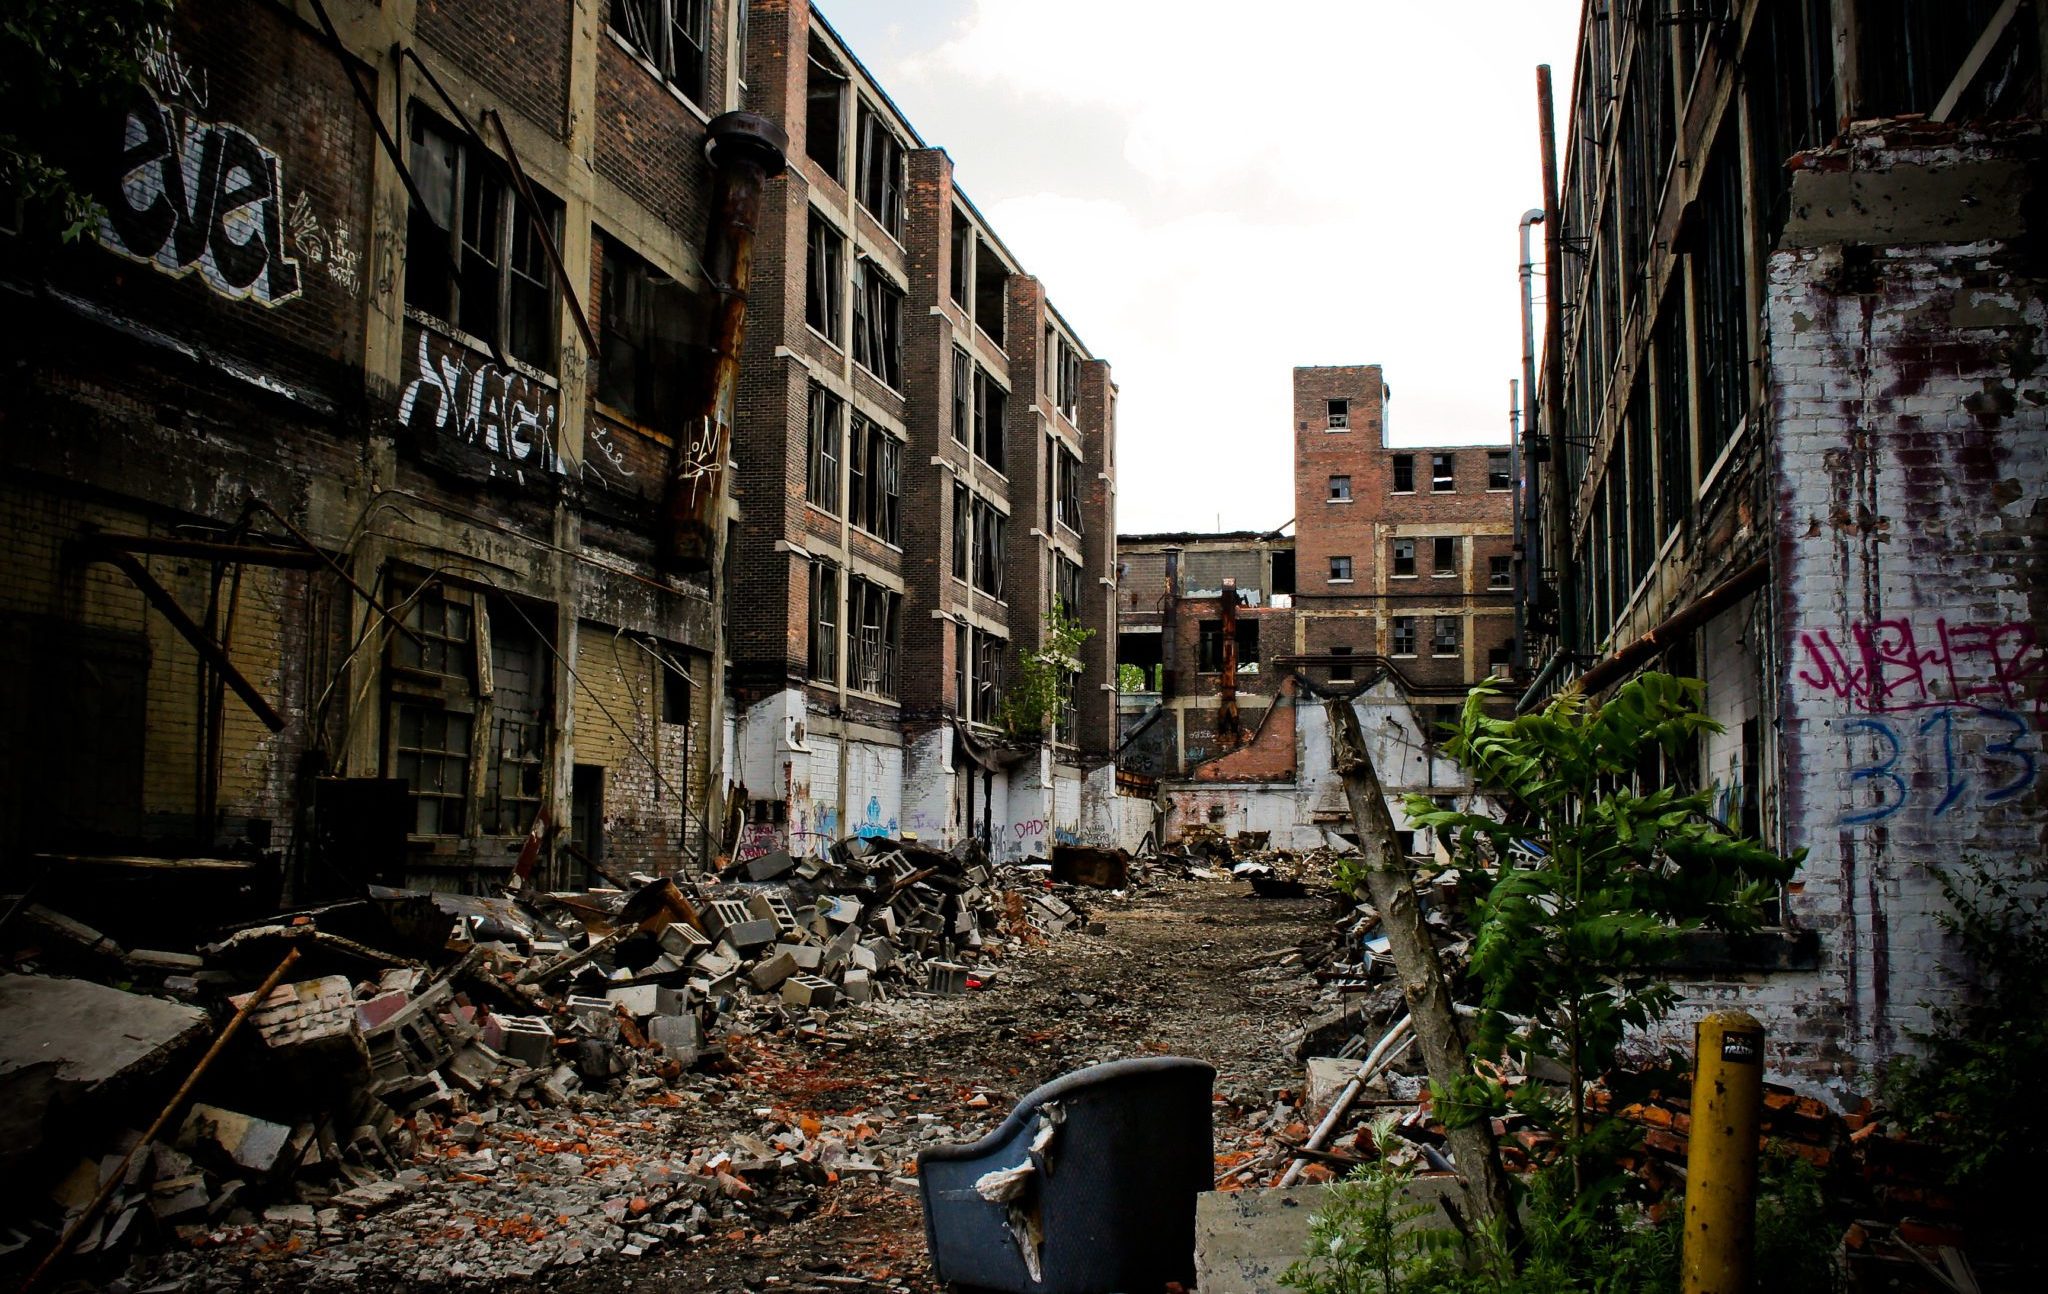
745, 151
1229, 731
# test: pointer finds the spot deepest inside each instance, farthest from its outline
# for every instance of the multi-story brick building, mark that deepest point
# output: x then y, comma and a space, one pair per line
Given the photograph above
1395, 590
926, 457
1793, 443
363, 508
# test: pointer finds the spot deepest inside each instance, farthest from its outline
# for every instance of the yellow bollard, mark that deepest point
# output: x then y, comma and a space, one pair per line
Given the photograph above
1720, 1160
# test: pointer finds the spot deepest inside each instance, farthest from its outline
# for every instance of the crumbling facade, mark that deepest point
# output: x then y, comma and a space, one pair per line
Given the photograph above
927, 470
364, 505
1792, 443
1394, 589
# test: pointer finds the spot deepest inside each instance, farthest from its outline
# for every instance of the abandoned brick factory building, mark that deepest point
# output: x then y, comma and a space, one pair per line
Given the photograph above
1793, 438
372, 501
1395, 588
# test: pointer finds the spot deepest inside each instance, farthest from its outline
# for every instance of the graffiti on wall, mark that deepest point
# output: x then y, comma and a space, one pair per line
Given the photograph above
329, 246
1888, 666
192, 196
462, 395
874, 824
1945, 714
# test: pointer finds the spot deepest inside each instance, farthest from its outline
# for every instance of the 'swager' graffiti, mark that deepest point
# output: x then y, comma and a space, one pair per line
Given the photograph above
1949, 713
192, 196
499, 410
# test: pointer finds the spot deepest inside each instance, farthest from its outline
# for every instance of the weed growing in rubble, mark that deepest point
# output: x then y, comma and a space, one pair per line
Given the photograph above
1368, 1237
1585, 882
1973, 1090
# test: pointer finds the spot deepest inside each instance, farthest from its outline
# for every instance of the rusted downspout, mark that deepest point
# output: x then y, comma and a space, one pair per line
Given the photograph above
745, 151
1229, 732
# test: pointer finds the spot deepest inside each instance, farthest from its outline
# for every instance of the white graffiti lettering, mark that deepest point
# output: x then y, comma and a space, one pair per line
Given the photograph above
169, 73
195, 196
318, 245
485, 405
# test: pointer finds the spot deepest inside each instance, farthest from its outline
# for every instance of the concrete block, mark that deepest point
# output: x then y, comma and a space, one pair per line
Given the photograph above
228, 1137
839, 910
682, 941
179, 1197
1327, 1076
947, 977
771, 866
772, 972
808, 991
857, 986
528, 1039
318, 1014
773, 907
807, 955
752, 934
678, 1035
721, 915
640, 1000
380, 1008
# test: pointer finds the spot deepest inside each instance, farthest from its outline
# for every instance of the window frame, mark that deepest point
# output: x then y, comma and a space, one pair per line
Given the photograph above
1455, 636
1502, 479
824, 453
662, 386
1403, 466
1341, 568
1340, 488
697, 87
879, 179
1443, 473
1401, 631
877, 323
824, 624
1337, 415
1443, 557
825, 279
1401, 565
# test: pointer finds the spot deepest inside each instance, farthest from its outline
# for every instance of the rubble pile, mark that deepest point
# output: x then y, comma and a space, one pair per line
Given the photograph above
478, 1068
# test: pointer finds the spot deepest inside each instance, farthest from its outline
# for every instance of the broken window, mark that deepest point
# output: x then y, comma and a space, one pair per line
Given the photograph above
1642, 482
824, 656
825, 430
824, 277
675, 690
1404, 473
672, 34
1209, 645
1404, 557
1341, 669
1444, 642
962, 530
877, 323
988, 547
475, 255
988, 676
1909, 52
881, 171
825, 112
1283, 571
1069, 489
1065, 376
1340, 414
1499, 571
871, 626
1340, 569
431, 682
990, 293
962, 647
963, 397
1498, 471
1443, 473
514, 764
1404, 636
962, 270
990, 404
1674, 443
1340, 489
432, 759
1067, 582
874, 486
1720, 300
648, 326
1444, 560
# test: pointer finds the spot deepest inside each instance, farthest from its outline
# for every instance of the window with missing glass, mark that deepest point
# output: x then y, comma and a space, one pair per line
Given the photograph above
1069, 474
1342, 670
1499, 571
1340, 570
991, 402
825, 430
872, 612
1403, 636
824, 644
988, 547
1443, 473
1340, 489
874, 485
1447, 635
673, 35
1404, 558
649, 331
475, 253
1339, 415
1444, 559
1404, 473
963, 529
1499, 471
877, 323
880, 164
824, 277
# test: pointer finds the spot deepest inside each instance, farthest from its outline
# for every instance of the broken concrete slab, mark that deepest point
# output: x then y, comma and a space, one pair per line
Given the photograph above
229, 1137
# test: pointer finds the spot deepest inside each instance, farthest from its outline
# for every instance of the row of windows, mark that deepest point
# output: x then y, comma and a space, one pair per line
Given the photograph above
872, 459
878, 153
1446, 638
1444, 554
1443, 475
869, 645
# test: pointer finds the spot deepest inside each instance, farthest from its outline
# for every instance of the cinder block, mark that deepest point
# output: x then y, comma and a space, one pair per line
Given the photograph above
808, 991
679, 1036
772, 971
528, 1039
946, 977
640, 1000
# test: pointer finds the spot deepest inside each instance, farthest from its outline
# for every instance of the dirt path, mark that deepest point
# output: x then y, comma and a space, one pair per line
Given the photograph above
1184, 968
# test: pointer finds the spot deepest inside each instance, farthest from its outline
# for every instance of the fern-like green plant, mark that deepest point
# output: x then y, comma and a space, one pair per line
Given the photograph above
1588, 878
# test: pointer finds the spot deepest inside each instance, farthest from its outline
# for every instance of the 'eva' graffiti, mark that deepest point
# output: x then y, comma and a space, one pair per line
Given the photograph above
481, 404
195, 196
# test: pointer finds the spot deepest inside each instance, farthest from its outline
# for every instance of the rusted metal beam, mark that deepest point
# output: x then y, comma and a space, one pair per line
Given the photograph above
1713, 602
203, 550
1229, 729
160, 597
745, 151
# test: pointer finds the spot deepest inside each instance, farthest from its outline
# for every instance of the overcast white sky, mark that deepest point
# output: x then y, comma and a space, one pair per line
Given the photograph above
1215, 193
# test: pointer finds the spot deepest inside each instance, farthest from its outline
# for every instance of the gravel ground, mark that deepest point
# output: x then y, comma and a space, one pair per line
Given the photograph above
792, 1171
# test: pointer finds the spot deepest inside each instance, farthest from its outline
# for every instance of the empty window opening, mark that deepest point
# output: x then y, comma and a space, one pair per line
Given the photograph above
872, 612
1340, 414
990, 291
1341, 669
825, 431
989, 525
675, 692
874, 480
1283, 571
1444, 558
1443, 473
825, 112
962, 270
877, 323
1499, 475
1340, 489
1404, 473
649, 334
990, 405
1209, 645
963, 530
824, 654
1069, 489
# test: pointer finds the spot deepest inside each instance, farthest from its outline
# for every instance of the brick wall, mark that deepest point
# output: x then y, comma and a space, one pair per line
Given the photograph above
517, 48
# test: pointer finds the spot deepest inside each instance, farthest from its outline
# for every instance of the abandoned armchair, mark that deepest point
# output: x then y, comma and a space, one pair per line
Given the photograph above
1088, 1187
